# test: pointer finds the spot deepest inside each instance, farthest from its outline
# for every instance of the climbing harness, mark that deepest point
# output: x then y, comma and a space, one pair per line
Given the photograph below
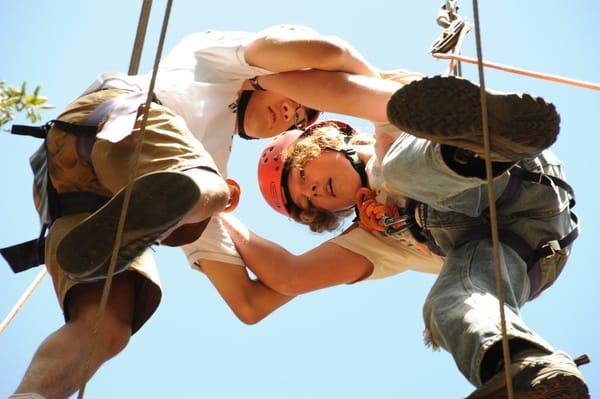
113, 120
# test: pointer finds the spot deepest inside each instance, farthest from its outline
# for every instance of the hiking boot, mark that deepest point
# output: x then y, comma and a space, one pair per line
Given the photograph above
537, 375
447, 110
158, 202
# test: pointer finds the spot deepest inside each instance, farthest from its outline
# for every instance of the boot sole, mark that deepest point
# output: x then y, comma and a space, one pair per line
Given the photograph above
563, 384
447, 110
158, 202
560, 387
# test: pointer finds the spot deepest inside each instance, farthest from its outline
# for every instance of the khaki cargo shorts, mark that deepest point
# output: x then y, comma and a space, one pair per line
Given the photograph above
168, 145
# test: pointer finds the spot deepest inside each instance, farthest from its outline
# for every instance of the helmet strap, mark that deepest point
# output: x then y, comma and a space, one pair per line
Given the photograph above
357, 164
241, 113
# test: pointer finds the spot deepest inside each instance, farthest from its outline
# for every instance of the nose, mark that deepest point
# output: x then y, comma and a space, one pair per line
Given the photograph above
287, 112
309, 190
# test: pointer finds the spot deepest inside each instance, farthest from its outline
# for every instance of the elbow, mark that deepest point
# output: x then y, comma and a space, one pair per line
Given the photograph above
247, 308
249, 314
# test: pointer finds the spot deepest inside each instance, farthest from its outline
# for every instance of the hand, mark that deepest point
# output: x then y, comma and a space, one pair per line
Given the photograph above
234, 195
401, 76
237, 230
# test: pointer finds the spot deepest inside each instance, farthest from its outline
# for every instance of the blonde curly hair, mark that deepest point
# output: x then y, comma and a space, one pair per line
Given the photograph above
327, 137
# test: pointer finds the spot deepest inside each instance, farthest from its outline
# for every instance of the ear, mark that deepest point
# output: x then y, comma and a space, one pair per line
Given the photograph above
234, 195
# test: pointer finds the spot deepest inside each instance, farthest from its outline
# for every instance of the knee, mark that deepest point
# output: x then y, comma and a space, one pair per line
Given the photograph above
215, 191
115, 329
431, 314
113, 335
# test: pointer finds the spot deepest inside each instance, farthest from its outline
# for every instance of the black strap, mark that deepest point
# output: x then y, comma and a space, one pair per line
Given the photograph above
30, 254
26, 255
543, 178
241, 113
551, 247
41, 132
76, 129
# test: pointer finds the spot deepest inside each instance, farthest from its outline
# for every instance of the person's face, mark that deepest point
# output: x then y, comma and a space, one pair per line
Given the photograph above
269, 113
328, 182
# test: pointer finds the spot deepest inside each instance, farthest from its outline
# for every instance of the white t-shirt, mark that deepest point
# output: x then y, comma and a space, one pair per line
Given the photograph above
389, 256
199, 80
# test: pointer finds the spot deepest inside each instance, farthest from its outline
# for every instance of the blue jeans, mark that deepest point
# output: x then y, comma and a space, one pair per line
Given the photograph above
461, 312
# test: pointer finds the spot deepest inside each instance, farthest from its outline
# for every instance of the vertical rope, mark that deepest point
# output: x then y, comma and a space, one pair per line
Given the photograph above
134, 65
24, 297
136, 54
492, 205
126, 200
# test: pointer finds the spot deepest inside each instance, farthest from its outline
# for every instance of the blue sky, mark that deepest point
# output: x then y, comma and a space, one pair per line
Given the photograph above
360, 341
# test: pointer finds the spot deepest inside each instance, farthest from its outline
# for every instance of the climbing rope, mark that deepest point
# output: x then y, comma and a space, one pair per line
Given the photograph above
519, 71
26, 295
372, 214
492, 205
133, 70
140, 35
126, 200
372, 211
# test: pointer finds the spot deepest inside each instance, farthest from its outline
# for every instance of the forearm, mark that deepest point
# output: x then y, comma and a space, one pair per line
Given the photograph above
297, 50
250, 300
271, 263
323, 266
348, 60
337, 92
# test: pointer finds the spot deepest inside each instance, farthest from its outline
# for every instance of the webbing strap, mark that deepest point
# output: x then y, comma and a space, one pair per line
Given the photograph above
530, 255
39, 132
26, 255
543, 178
30, 254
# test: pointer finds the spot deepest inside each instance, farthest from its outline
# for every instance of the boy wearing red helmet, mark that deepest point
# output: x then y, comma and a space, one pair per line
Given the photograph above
423, 195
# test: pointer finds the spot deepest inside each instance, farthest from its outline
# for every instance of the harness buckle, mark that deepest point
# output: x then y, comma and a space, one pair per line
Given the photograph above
389, 224
553, 246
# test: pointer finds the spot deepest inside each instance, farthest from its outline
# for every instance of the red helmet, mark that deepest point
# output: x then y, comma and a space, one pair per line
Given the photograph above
272, 167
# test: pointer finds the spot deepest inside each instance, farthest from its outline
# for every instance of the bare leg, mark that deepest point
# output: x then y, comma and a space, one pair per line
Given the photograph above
215, 194
55, 370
